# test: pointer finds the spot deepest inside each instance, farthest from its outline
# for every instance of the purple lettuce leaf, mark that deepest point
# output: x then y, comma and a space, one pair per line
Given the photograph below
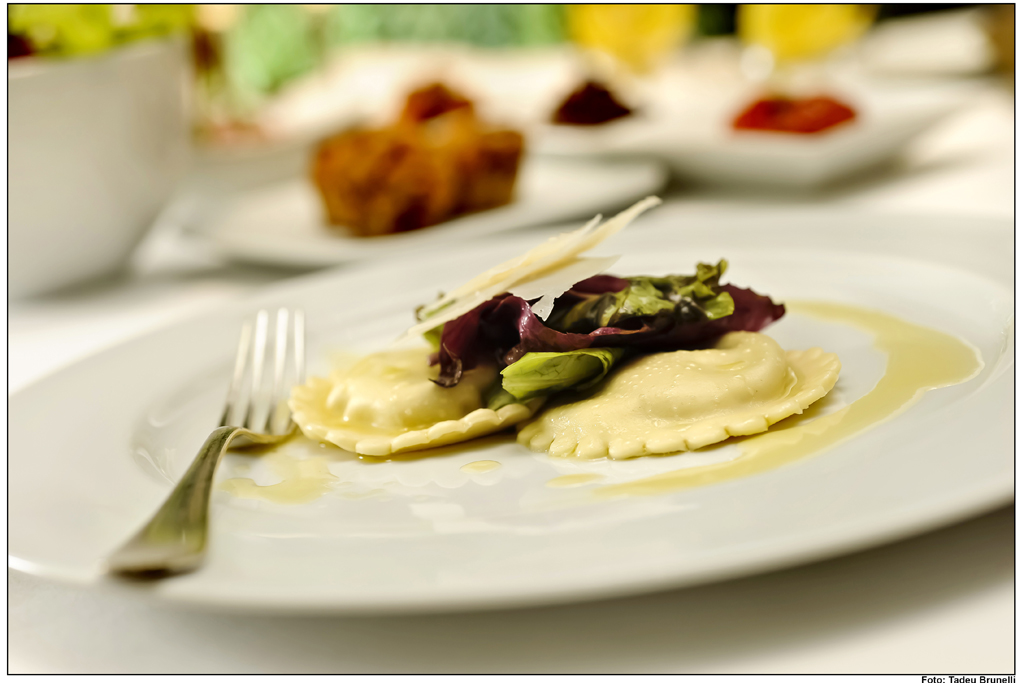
504, 329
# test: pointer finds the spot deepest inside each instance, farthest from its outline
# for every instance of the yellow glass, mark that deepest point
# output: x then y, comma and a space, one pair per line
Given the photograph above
798, 32
636, 35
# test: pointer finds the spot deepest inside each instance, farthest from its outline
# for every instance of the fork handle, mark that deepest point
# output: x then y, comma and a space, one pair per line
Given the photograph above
174, 539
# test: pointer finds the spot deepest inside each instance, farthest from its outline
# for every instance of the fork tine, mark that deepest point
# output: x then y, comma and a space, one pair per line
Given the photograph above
297, 349
249, 409
258, 359
277, 394
300, 346
238, 376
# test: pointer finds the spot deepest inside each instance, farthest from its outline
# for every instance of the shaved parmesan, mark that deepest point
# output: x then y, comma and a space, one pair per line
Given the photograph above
516, 267
550, 286
541, 261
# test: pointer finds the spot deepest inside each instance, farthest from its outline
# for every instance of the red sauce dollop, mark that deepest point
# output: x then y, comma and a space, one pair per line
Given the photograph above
810, 115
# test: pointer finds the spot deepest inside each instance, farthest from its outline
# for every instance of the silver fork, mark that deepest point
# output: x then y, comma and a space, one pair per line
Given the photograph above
174, 539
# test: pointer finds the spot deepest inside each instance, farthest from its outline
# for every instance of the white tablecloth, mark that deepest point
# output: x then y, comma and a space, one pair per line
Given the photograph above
942, 602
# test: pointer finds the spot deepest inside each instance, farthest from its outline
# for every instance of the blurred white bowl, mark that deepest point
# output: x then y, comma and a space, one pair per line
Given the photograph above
799, 162
96, 146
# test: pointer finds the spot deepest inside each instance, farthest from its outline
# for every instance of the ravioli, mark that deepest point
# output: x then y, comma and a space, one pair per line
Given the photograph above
386, 403
683, 400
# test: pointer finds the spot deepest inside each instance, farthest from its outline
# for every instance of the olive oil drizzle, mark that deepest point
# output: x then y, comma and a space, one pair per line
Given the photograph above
302, 481
480, 466
572, 480
919, 359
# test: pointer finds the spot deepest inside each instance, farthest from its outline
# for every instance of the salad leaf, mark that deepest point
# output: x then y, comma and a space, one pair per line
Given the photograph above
497, 398
542, 373
689, 298
78, 30
501, 330
433, 337
643, 314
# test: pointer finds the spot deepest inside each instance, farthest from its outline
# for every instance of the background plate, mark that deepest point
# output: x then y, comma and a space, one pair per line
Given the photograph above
284, 223
769, 159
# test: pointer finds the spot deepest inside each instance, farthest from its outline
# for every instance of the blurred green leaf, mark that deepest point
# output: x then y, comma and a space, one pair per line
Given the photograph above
76, 30
269, 46
484, 25
64, 29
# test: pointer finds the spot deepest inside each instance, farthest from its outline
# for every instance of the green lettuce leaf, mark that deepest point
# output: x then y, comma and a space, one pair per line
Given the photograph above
497, 398
541, 374
686, 297
433, 336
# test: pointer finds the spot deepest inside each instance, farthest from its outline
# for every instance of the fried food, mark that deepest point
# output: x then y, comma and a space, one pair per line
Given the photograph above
431, 101
436, 162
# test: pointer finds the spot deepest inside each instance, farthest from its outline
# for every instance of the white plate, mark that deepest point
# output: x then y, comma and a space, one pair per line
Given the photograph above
284, 223
94, 447
772, 159
616, 138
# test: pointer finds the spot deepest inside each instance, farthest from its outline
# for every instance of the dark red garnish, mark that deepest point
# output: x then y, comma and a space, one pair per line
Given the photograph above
18, 46
810, 115
589, 105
